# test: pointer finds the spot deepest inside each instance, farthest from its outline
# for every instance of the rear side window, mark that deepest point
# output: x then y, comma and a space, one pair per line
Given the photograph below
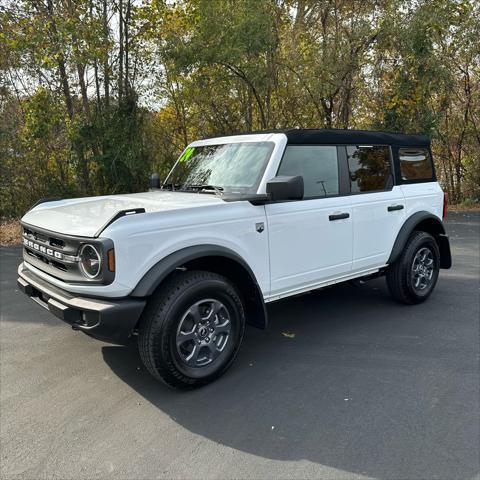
415, 164
369, 168
318, 165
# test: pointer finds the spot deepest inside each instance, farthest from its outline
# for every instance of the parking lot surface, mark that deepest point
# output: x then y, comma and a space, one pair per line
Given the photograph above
343, 384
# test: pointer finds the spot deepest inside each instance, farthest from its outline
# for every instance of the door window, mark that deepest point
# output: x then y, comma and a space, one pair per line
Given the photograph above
318, 165
369, 168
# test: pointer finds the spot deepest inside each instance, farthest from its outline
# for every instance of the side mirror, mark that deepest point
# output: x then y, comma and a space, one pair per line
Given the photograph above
154, 180
285, 188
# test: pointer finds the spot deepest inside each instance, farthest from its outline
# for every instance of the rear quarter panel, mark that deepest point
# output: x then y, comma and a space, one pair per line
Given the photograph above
425, 196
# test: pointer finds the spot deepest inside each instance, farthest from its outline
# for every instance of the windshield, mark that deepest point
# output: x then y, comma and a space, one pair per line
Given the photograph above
232, 167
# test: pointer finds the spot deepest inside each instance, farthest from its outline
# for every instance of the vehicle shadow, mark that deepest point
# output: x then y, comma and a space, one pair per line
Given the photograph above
340, 378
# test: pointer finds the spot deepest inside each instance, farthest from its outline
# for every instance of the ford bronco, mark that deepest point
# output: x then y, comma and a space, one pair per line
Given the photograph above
239, 222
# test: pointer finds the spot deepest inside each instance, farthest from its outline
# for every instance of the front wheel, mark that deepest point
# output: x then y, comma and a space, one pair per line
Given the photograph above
192, 329
412, 278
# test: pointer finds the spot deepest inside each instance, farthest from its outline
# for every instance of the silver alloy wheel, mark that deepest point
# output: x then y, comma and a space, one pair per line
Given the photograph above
422, 269
203, 332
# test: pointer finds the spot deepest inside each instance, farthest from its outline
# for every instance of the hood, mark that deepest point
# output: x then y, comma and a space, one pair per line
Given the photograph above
86, 216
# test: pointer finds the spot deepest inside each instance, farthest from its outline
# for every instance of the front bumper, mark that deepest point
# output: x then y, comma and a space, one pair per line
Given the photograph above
111, 320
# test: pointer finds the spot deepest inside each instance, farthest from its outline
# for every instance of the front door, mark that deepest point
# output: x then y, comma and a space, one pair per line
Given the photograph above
310, 240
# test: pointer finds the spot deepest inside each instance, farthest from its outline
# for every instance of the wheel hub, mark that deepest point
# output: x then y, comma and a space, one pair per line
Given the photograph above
422, 269
203, 333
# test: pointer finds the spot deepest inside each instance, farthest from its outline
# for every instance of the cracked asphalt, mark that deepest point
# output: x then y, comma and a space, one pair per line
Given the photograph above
360, 387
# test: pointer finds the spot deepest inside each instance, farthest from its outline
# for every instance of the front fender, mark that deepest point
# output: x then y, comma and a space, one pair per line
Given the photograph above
154, 277
246, 281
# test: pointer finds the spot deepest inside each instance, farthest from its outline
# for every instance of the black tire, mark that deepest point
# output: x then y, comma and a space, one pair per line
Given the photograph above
403, 280
182, 300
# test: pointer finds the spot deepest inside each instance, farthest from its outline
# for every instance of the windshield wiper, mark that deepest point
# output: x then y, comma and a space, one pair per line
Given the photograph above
170, 186
205, 188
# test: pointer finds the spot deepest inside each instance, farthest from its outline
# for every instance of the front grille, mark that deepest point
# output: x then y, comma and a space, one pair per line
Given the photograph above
57, 254
59, 265
52, 254
45, 259
42, 238
37, 256
55, 242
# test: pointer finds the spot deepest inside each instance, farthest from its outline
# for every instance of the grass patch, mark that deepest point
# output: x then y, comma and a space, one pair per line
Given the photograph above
465, 205
10, 232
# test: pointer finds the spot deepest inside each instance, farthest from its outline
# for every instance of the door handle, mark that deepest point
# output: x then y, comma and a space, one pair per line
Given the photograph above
392, 208
338, 216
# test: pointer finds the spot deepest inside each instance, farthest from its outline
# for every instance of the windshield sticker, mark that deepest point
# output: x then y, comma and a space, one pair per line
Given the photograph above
187, 154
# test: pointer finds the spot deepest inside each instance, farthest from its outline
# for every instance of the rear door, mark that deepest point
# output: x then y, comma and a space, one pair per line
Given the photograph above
378, 207
310, 240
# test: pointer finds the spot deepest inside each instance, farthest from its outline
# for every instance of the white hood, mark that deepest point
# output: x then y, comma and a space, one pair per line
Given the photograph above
85, 216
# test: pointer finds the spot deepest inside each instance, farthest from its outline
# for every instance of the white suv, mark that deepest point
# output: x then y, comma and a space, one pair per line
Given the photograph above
239, 222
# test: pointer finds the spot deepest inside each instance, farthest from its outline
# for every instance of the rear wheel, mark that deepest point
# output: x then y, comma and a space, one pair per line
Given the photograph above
192, 329
412, 278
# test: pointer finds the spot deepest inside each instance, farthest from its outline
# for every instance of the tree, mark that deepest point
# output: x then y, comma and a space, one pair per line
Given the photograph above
94, 94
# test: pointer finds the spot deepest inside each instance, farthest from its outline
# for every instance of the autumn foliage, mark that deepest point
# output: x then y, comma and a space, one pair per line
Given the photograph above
97, 94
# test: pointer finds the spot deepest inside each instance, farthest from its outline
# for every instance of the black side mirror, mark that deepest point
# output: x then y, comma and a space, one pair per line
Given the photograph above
154, 180
285, 188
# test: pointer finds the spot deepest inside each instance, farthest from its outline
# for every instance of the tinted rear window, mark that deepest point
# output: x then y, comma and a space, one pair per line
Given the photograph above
369, 168
415, 164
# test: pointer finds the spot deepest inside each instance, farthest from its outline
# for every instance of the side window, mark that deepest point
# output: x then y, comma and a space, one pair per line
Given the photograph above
415, 164
369, 168
318, 165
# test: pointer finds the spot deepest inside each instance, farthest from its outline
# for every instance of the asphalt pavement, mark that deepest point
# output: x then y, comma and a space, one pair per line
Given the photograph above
345, 384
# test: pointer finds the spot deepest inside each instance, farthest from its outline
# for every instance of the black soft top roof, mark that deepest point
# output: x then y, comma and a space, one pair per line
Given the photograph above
356, 137
314, 136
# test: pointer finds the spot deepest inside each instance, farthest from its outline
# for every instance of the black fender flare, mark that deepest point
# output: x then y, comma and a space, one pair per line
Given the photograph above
255, 305
429, 223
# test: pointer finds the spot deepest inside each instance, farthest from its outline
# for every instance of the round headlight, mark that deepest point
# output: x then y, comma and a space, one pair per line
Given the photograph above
90, 261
